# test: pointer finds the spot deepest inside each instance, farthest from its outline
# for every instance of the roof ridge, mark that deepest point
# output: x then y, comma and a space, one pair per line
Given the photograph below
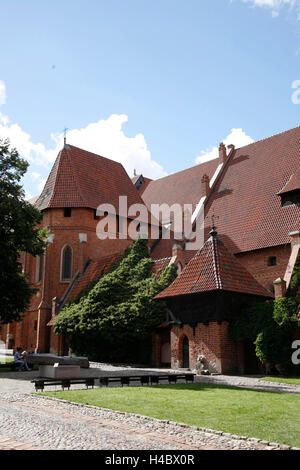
185, 169
270, 137
216, 265
56, 173
95, 154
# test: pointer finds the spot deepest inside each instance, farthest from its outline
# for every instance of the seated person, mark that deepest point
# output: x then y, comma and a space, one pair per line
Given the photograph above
20, 359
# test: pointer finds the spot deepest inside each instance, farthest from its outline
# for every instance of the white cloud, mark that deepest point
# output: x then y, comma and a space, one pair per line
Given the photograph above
21, 140
275, 5
2, 93
38, 179
105, 137
237, 137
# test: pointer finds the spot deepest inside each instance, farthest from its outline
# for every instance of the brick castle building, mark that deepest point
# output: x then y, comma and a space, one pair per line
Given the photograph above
251, 194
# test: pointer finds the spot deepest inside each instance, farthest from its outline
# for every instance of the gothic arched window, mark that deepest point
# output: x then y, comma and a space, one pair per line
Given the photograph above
66, 267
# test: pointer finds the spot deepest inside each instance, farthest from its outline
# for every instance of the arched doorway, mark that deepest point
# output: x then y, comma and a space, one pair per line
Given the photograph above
185, 353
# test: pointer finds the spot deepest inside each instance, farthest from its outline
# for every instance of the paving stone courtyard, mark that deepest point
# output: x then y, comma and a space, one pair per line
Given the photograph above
34, 422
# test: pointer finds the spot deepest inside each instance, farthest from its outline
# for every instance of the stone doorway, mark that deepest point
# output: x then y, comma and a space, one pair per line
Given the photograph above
166, 354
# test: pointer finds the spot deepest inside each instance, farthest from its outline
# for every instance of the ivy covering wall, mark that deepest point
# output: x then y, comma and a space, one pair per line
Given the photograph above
114, 319
271, 325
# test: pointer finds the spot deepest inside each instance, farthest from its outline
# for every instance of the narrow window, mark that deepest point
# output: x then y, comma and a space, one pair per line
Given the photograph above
39, 268
67, 212
272, 261
66, 263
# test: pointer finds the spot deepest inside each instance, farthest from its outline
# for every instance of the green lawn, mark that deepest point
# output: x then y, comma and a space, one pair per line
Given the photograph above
271, 416
284, 380
6, 359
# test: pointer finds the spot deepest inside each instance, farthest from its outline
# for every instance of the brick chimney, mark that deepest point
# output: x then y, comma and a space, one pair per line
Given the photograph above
279, 288
295, 237
177, 250
205, 185
222, 153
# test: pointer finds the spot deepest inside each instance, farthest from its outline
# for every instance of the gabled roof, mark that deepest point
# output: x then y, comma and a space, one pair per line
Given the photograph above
214, 268
83, 179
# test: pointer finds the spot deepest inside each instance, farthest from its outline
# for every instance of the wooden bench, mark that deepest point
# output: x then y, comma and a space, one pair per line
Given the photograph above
40, 383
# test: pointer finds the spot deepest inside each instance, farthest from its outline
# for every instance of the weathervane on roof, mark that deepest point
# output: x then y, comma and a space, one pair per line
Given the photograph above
65, 135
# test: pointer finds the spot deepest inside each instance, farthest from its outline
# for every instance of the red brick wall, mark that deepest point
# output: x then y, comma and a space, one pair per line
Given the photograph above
66, 231
210, 340
256, 262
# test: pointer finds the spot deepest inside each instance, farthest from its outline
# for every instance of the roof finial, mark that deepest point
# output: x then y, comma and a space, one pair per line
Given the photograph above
213, 231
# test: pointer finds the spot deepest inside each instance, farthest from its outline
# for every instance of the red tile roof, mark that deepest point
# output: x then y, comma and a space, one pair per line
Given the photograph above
214, 268
83, 179
245, 199
182, 188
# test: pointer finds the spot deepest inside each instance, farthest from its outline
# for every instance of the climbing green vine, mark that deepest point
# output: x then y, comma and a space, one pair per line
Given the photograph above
270, 325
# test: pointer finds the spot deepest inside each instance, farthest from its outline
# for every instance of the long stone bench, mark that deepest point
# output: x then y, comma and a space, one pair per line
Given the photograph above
40, 383
147, 379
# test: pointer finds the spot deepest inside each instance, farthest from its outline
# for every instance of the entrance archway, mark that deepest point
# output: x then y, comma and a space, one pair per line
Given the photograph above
185, 353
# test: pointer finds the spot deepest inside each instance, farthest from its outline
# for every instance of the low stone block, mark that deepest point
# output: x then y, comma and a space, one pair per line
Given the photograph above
60, 372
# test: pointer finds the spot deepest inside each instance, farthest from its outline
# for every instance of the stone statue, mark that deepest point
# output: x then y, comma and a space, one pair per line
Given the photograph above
200, 365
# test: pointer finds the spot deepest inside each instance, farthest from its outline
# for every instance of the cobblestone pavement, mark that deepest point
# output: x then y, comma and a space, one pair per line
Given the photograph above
28, 421
53, 424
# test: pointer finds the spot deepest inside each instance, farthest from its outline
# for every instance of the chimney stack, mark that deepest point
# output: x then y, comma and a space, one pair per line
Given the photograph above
177, 250
205, 185
279, 288
222, 153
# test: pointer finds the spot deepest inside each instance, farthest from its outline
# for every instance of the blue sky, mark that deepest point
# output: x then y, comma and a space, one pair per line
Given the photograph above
154, 84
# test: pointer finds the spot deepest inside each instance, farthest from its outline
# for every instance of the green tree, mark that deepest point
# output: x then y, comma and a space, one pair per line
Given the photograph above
18, 233
114, 320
